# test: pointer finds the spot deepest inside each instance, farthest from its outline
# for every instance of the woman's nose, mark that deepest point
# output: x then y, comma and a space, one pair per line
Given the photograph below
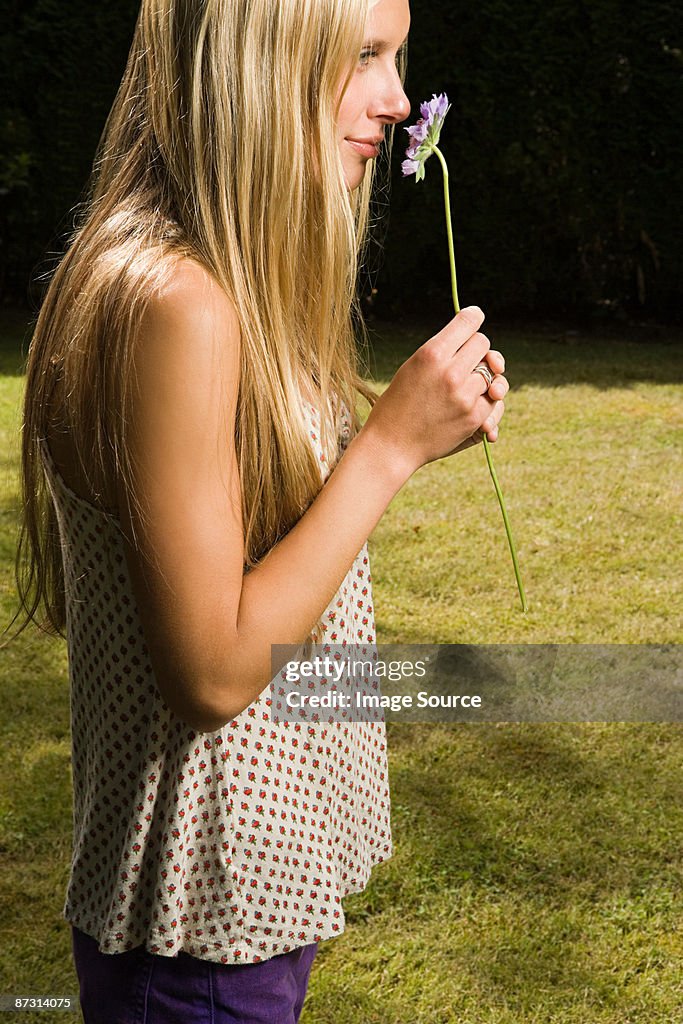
392, 105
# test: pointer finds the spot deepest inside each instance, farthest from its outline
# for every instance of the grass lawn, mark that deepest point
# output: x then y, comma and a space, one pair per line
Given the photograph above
538, 869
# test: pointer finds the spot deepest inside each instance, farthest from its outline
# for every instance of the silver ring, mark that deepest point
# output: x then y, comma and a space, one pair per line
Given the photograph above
485, 371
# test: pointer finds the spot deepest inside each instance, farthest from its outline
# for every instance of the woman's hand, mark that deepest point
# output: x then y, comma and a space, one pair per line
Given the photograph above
498, 388
436, 405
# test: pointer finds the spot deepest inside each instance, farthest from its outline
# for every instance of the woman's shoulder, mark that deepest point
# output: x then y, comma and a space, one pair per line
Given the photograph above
155, 280
189, 317
189, 289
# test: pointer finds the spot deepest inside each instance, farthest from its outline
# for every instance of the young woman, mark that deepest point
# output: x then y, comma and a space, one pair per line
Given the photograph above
198, 487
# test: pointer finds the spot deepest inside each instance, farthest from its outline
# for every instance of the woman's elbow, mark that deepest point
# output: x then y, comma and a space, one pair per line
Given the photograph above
205, 708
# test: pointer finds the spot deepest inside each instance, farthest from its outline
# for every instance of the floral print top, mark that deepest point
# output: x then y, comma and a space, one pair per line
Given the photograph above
232, 846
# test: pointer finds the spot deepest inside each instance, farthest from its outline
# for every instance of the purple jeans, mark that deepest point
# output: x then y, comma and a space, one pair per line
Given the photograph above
139, 987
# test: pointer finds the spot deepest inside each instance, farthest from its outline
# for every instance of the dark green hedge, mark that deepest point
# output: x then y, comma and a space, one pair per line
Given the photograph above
564, 145
60, 64
565, 152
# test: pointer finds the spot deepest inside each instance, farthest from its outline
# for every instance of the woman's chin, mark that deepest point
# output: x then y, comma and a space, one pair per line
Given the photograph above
353, 176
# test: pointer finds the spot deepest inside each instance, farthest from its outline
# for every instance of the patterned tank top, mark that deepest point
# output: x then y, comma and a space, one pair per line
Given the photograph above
232, 846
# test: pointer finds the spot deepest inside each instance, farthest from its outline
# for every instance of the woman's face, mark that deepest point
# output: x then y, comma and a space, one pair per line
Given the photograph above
374, 98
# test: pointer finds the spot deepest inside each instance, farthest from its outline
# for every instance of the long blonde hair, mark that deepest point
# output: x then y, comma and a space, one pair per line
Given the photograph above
221, 147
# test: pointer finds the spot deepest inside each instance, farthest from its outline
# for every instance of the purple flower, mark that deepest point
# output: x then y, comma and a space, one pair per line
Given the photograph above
409, 167
436, 107
418, 132
424, 134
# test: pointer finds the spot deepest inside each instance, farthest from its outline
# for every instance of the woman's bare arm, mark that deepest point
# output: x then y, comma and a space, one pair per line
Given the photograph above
209, 628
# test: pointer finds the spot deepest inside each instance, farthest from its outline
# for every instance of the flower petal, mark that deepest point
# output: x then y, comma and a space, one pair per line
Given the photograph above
410, 167
442, 105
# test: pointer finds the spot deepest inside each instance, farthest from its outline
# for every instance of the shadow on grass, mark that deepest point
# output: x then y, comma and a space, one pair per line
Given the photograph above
544, 849
539, 354
551, 357
558, 821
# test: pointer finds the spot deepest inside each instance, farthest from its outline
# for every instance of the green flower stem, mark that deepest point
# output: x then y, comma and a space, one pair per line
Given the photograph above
508, 528
449, 227
487, 447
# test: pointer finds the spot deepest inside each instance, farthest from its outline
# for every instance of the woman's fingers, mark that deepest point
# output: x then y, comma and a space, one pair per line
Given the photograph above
489, 427
495, 392
457, 333
496, 361
499, 388
499, 385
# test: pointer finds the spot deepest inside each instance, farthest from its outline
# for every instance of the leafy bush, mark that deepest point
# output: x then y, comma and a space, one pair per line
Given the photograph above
563, 144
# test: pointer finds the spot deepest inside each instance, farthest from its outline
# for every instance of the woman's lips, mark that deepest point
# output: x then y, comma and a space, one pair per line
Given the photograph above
365, 147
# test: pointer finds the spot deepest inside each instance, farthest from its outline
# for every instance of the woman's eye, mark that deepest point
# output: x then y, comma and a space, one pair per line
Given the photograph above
366, 55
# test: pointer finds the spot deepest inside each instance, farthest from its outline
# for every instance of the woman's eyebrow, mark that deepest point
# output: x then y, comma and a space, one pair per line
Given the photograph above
382, 44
